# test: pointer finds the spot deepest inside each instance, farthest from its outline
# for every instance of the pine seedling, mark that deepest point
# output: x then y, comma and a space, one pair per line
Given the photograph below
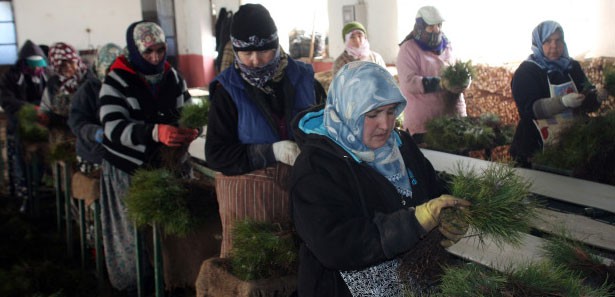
471, 280
157, 196
195, 115
261, 250
536, 279
500, 208
458, 75
29, 129
565, 252
545, 279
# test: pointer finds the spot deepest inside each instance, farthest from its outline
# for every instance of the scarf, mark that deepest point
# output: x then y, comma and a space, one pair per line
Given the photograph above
260, 76
539, 35
59, 53
106, 56
139, 37
358, 88
434, 42
362, 52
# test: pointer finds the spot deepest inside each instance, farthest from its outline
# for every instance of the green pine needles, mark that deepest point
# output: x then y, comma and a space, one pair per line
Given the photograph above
157, 196
499, 208
539, 279
460, 134
194, 115
572, 255
29, 129
458, 75
586, 148
261, 250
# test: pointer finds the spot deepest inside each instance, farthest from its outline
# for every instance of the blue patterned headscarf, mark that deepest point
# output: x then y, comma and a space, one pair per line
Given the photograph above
106, 56
540, 34
358, 88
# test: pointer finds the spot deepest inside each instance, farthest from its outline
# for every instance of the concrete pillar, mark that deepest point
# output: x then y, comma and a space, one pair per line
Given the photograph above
195, 42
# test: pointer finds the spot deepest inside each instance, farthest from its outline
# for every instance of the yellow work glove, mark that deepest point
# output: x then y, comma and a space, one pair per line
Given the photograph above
452, 226
428, 213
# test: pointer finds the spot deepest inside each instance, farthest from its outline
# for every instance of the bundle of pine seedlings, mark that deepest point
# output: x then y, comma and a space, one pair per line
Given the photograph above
579, 259
537, 279
501, 205
586, 149
29, 129
193, 116
157, 196
458, 135
459, 75
262, 250
500, 210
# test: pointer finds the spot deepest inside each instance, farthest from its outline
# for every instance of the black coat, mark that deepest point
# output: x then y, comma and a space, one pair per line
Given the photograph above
348, 216
529, 84
83, 120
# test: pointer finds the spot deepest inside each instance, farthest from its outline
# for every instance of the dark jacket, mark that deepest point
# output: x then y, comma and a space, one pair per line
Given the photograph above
83, 120
347, 215
129, 111
224, 150
529, 84
17, 88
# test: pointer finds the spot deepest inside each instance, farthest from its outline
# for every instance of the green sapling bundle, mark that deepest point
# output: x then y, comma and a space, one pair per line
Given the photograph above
262, 250
157, 196
500, 208
457, 76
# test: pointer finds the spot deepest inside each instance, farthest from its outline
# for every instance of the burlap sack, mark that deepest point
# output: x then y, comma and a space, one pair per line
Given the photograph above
215, 280
85, 187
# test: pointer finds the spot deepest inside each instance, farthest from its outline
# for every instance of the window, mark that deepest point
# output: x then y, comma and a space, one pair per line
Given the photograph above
8, 39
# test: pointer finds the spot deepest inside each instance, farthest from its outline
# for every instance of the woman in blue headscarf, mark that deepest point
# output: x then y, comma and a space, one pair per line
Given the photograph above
362, 193
549, 88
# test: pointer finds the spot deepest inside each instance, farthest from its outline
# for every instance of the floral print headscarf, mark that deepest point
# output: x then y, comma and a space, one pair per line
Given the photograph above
105, 57
139, 36
60, 52
358, 88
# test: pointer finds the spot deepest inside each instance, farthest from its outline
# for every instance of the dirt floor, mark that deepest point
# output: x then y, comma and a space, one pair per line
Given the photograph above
34, 260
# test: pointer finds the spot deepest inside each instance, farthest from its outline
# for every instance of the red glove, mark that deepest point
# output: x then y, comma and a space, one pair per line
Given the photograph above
173, 136
42, 118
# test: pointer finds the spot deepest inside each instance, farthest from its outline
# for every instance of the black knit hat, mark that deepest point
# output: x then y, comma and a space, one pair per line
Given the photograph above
253, 29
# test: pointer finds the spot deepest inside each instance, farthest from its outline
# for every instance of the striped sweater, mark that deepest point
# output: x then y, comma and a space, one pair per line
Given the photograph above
129, 110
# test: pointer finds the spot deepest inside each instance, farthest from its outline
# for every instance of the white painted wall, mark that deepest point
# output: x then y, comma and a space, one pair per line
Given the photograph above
381, 27
486, 31
193, 25
498, 32
49, 21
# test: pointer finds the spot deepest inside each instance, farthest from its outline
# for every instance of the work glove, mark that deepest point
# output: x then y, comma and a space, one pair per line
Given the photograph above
286, 151
452, 226
99, 135
173, 136
573, 100
428, 213
431, 84
42, 118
